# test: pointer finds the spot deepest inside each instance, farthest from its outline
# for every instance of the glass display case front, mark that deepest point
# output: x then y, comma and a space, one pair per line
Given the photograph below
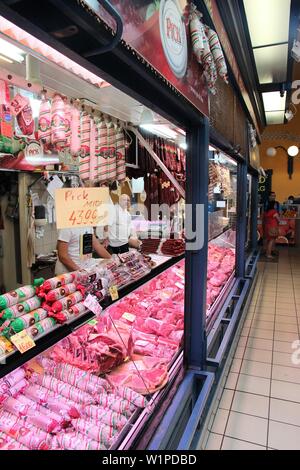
222, 195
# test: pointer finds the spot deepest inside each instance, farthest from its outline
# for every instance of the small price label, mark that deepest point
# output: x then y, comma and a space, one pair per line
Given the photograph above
93, 322
129, 316
179, 285
113, 290
92, 304
22, 341
180, 274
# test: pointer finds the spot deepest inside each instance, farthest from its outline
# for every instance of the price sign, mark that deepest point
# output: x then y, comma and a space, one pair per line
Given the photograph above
113, 290
129, 316
179, 285
92, 304
81, 207
22, 341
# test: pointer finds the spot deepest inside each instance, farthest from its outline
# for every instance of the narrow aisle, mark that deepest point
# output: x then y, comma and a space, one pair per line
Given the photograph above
260, 405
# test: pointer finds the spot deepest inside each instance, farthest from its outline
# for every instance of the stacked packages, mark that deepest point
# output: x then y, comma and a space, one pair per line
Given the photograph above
62, 407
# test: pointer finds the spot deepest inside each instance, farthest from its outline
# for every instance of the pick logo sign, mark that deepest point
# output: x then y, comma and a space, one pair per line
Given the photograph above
173, 36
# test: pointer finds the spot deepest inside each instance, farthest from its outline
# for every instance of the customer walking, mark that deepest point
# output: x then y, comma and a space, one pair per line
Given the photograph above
271, 223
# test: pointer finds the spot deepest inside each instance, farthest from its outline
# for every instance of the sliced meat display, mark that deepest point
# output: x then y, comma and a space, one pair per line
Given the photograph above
139, 375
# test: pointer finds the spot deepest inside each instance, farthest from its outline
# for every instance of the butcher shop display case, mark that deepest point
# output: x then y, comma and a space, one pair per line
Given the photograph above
93, 389
222, 194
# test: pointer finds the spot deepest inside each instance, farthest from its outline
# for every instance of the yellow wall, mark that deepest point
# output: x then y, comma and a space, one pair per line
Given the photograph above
284, 135
281, 184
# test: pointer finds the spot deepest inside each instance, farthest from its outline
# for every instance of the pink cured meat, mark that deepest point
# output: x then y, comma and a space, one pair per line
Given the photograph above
44, 122
68, 120
81, 382
34, 417
57, 294
58, 129
67, 302
62, 388
116, 403
53, 401
72, 312
12, 379
85, 137
105, 416
75, 131
14, 390
8, 443
25, 433
74, 375
101, 151
77, 441
111, 170
130, 395
42, 409
120, 155
96, 431
93, 156
58, 281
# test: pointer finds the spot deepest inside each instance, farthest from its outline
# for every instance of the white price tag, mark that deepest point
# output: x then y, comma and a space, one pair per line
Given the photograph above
179, 284
129, 316
92, 304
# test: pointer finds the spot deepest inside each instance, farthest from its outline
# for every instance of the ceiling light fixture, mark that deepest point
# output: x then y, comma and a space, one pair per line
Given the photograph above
10, 51
6, 59
147, 117
160, 129
293, 151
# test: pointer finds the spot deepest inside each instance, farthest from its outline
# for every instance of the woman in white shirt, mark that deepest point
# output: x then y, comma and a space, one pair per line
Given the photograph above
75, 247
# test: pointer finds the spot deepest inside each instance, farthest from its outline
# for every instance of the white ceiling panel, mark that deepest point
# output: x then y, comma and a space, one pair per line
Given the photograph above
268, 21
275, 117
273, 101
271, 63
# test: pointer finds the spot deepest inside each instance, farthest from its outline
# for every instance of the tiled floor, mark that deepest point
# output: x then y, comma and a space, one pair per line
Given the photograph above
260, 405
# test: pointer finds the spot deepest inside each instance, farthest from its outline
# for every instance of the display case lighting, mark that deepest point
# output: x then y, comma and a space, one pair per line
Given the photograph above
10, 52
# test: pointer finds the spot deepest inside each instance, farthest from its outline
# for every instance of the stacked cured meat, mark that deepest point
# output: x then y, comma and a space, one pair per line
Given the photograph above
221, 263
169, 247
21, 309
126, 268
62, 407
173, 247
154, 315
150, 245
63, 297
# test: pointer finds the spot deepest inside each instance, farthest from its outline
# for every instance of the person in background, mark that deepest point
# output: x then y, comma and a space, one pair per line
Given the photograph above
271, 223
272, 197
120, 233
75, 248
291, 200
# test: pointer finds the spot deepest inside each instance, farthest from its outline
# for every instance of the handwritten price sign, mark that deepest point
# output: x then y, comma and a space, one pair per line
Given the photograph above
22, 341
81, 207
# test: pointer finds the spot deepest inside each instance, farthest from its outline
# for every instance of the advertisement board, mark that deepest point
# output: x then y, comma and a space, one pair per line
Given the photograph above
158, 31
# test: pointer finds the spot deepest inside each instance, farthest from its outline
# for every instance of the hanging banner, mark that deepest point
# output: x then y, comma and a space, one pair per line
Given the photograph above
81, 207
157, 31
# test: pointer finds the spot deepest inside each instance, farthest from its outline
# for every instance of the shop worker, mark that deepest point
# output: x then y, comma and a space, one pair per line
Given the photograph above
75, 248
121, 235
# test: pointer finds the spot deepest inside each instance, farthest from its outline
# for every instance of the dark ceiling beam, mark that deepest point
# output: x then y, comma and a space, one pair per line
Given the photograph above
235, 22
